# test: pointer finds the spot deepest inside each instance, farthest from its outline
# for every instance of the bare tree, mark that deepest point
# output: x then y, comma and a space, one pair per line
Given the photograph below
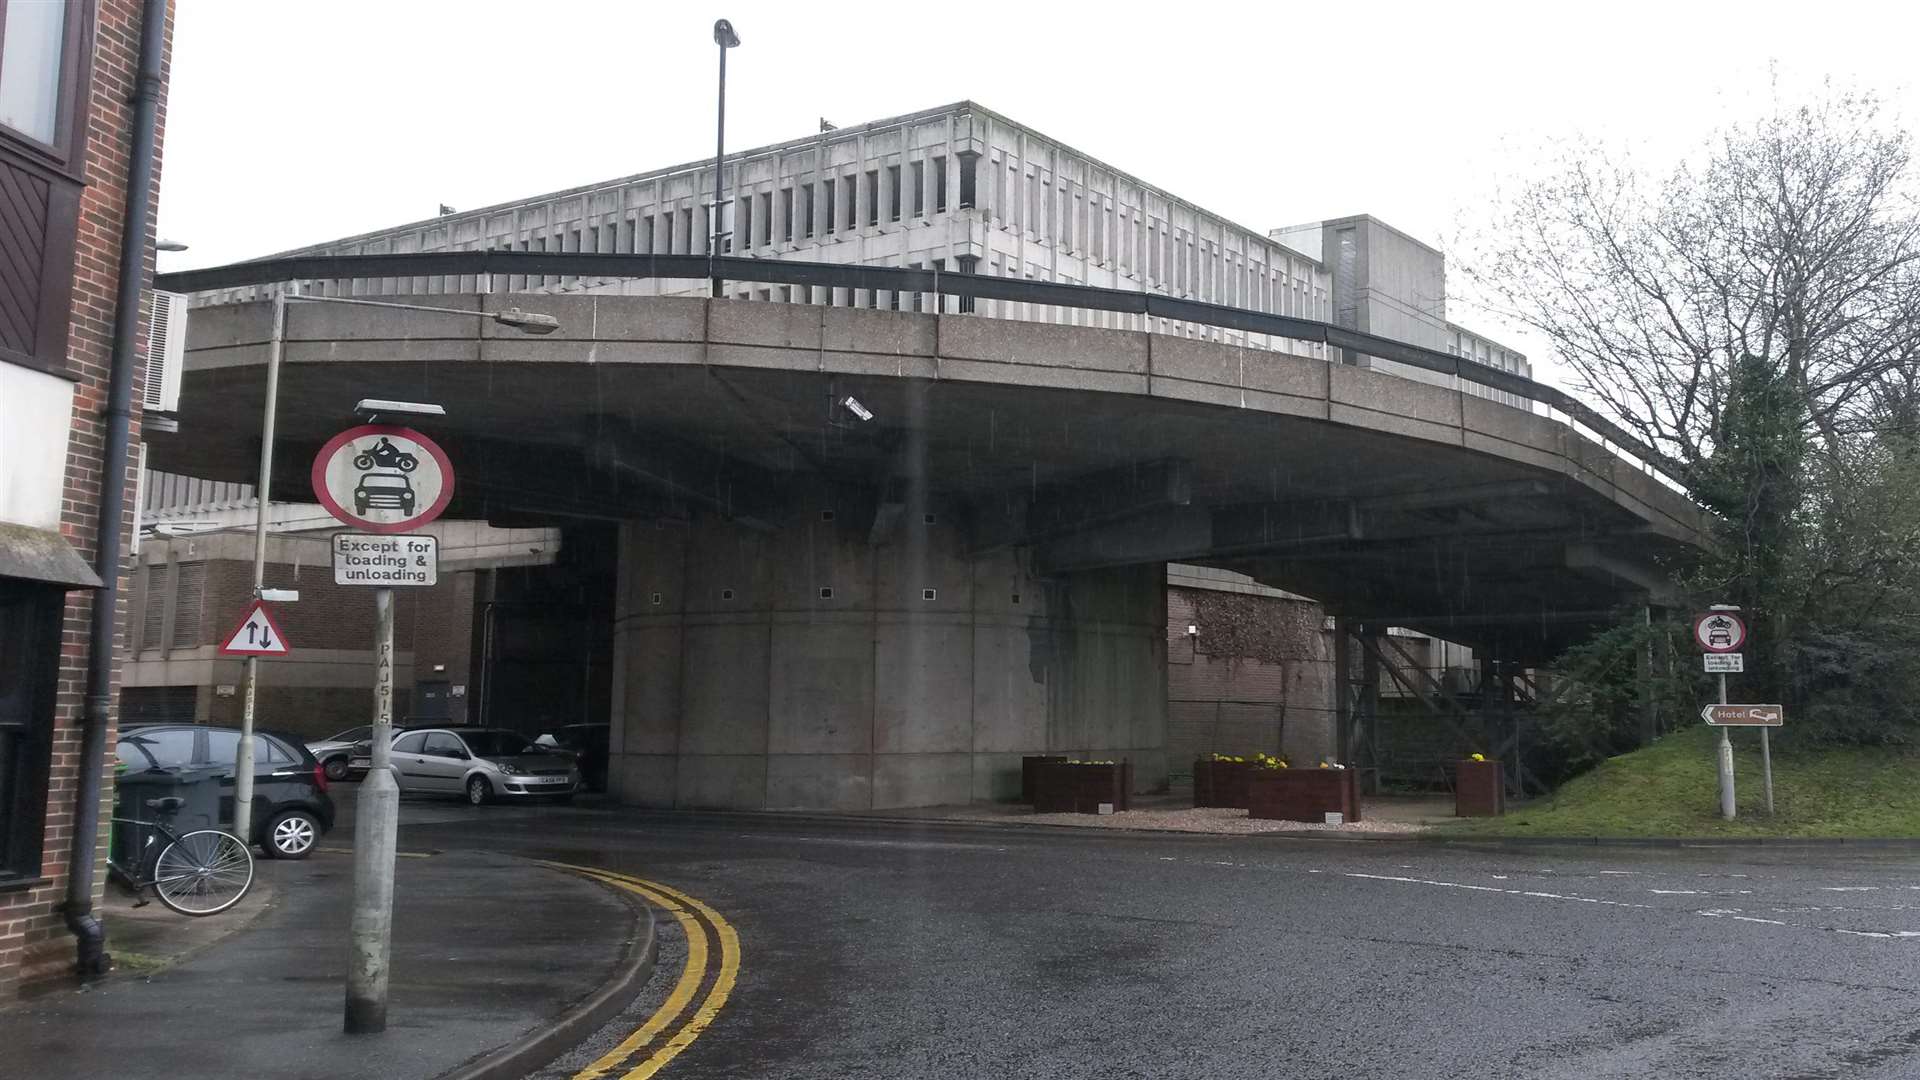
1794, 239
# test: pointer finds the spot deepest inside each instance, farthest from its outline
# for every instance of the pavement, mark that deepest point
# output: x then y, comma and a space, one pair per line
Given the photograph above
487, 949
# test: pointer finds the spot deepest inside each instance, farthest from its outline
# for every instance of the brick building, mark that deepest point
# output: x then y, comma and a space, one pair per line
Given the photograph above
193, 577
80, 122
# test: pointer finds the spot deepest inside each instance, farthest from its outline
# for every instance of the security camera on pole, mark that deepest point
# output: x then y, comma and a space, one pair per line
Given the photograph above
386, 480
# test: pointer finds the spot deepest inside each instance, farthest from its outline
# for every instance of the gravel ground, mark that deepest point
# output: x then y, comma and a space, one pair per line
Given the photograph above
1201, 819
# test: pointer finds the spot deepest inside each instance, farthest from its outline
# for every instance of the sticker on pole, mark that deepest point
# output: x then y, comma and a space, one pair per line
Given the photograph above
257, 635
383, 478
1719, 632
1727, 663
1744, 715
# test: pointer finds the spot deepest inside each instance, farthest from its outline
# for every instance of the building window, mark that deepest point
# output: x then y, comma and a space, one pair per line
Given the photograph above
44, 77
742, 223
765, 222
852, 186
967, 264
826, 196
686, 231
38, 47
786, 215
940, 184
919, 173
29, 669
967, 185
893, 193
873, 197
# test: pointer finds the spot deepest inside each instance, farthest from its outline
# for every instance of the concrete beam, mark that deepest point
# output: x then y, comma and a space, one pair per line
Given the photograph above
1084, 502
1613, 568
740, 491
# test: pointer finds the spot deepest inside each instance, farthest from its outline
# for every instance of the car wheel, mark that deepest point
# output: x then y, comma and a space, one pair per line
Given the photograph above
292, 835
338, 768
479, 792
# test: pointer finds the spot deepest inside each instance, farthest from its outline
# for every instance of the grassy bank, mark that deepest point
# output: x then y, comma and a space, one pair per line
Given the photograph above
1670, 790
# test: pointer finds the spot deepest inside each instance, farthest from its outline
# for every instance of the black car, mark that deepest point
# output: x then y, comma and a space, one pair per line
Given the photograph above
588, 742
291, 807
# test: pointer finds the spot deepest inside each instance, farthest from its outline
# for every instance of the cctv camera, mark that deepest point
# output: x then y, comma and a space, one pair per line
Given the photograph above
853, 406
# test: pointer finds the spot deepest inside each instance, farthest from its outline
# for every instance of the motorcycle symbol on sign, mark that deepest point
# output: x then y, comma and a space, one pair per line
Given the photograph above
385, 455
1719, 632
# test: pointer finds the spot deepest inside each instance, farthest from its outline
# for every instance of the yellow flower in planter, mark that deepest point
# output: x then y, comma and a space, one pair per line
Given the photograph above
1479, 757
1323, 764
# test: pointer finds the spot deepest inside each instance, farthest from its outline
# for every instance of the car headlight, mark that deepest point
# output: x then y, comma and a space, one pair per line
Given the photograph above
508, 770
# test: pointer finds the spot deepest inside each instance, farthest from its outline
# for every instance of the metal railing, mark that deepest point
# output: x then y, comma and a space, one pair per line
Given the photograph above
939, 284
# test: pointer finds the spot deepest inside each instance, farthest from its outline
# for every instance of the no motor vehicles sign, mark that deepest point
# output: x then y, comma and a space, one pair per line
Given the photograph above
383, 478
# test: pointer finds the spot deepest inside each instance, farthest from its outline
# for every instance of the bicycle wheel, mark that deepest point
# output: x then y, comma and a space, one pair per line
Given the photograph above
203, 873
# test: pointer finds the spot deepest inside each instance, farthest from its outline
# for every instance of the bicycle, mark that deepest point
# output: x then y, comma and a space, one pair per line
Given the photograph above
203, 872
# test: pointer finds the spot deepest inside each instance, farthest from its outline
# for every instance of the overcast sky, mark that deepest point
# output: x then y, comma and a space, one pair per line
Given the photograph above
292, 123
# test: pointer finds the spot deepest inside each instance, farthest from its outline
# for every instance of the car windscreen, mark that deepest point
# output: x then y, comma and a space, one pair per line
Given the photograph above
489, 744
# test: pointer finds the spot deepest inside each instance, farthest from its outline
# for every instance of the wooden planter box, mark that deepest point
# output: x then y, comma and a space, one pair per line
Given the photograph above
1028, 766
1303, 794
1220, 783
1061, 788
1479, 789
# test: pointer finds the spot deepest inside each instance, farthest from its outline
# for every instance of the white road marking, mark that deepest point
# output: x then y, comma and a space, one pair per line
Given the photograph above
1849, 888
1495, 889
1675, 892
1623, 873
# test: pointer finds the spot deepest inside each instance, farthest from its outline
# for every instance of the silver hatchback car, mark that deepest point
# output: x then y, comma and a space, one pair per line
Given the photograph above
481, 764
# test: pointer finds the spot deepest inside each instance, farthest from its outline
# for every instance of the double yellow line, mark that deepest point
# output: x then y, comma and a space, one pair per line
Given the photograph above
707, 933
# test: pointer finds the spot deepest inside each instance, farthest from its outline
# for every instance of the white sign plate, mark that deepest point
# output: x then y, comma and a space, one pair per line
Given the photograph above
257, 635
1725, 663
385, 561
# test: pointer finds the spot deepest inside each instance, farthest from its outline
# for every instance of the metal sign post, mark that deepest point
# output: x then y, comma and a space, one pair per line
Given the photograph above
1721, 631
385, 480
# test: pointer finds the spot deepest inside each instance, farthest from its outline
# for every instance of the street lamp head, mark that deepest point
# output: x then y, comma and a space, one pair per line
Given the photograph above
168, 245
378, 407
531, 322
724, 36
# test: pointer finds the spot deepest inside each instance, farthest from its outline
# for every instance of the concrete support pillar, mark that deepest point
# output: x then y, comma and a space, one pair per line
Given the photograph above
839, 664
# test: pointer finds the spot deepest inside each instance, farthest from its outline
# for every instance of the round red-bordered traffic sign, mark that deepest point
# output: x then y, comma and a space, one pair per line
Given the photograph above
394, 477
1719, 632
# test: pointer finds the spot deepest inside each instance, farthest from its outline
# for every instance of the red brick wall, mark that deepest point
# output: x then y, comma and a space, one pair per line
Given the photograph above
33, 938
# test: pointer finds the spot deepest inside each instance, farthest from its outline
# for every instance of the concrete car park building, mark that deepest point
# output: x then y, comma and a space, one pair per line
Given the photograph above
813, 605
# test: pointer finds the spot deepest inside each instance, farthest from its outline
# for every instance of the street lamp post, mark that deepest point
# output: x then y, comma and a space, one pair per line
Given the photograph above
724, 37
244, 756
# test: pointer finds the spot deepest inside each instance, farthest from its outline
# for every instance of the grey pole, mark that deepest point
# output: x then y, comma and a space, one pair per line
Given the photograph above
243, 756
1766, 766
1726, 762
376, 834
724, 37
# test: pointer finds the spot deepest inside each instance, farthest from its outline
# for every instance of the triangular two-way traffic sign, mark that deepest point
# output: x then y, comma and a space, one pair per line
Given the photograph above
257, 634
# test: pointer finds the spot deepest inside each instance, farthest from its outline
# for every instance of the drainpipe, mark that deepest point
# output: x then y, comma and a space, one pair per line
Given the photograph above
92, 960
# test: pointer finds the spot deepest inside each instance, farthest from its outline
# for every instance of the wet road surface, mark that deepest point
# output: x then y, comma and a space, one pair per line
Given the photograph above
903, 951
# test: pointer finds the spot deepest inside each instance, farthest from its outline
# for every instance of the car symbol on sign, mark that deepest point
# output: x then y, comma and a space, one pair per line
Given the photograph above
386, 491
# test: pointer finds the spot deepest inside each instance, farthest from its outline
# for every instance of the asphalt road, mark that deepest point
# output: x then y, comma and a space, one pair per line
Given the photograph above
905, 951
